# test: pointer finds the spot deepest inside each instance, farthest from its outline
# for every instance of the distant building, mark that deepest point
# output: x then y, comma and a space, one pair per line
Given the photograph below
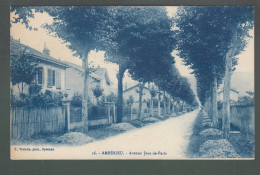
133, 91
233, 96
51, 75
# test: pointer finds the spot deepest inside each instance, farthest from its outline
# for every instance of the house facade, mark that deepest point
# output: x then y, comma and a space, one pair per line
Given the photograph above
75, 81
59, 76
51, 74
133, 91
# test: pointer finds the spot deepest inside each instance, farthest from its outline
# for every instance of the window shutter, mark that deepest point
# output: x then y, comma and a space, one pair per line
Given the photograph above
50, 77
53, 78
39, 75
58, 79
43, 80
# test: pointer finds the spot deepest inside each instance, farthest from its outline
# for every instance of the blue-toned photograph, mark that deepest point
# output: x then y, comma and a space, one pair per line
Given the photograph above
132, 82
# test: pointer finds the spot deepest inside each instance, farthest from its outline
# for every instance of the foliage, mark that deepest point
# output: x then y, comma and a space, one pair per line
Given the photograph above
47, 99
205, 54
247, 99
76, 100
130, 100
112, 97
23, 68
34, 89
176, 85
211, 133
98, 91
142, 39
221, 148
153, 92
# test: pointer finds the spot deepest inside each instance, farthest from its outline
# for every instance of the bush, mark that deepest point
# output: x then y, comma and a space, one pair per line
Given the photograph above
218, 149
76, 100
207, 124
211, 134
35, 89
47, 99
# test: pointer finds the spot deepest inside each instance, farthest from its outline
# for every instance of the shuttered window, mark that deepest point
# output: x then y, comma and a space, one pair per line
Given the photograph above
51, 77
58, 79
40, 78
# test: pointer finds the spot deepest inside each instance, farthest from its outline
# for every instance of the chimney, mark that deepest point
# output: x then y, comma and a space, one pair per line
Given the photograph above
46, 50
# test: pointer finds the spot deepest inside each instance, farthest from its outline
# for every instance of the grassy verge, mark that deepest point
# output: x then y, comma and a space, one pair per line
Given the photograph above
195, 139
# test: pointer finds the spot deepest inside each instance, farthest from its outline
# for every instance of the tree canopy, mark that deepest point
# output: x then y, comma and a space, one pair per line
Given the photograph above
204, 35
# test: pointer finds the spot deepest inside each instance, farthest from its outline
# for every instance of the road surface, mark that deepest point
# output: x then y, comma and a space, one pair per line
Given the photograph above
168, 139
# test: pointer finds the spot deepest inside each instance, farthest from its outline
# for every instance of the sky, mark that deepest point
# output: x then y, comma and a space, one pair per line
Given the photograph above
36, 40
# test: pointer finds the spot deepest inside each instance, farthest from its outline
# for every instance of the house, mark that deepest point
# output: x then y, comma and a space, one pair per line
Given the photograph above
233, 96
133, 91
75, 81
52, 72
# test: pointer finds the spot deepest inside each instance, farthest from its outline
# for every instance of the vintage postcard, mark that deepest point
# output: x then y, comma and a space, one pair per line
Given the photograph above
127, 82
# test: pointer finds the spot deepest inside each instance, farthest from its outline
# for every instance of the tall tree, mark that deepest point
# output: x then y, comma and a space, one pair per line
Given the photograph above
213, 56
143, 36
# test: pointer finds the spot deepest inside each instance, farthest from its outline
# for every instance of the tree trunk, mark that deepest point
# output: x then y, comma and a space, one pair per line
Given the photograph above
169, 106
207, 106
173, 107
227, 86
151, 106
85, 93
18, 88
214, 103
159, 103
164, 103
141, 88
210, 114
22, 87
120, 94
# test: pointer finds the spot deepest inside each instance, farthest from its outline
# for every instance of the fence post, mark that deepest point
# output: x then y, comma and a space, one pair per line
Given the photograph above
66, 110
131, 112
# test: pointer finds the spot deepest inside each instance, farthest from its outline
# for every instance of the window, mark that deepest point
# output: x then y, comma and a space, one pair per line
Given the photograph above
40, 76
51, 77
58, 79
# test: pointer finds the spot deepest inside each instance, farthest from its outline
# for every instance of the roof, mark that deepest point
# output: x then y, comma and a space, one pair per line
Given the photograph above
98, 73
15, 46
137, 85
230, 89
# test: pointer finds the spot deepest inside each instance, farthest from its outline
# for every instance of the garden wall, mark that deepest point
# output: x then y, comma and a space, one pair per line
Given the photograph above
242, 117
